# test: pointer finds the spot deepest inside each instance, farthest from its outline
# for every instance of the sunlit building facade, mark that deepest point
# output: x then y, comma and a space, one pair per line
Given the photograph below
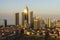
37, 22
25, 15
48, 22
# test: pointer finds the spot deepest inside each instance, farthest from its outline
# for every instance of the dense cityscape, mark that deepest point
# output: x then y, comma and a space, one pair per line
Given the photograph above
32, 28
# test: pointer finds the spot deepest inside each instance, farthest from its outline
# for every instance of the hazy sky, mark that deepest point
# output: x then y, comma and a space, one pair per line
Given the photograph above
44, 8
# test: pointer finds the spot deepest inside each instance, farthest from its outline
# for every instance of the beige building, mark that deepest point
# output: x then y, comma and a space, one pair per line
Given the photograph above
48, 22
37, 22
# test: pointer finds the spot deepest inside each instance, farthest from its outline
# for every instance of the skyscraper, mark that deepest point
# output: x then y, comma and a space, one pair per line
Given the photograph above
25, 24
31, 19
17, 19
22, 18
48, 22
35, 24
25, 15
5, 23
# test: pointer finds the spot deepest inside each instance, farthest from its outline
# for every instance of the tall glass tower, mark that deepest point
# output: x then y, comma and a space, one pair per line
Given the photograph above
25, 15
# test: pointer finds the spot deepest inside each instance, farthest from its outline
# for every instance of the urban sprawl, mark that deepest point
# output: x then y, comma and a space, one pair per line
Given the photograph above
32, 28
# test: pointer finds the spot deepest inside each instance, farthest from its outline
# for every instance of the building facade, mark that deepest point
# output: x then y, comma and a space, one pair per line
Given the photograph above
17, 19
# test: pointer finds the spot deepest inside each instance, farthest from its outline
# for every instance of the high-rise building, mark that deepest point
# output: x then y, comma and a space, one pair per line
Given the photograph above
35, 24
25, 24
42, 24
23, 18
54, 22
5, 23
57, 23
31, 19
25, 15
48, 22
17, 19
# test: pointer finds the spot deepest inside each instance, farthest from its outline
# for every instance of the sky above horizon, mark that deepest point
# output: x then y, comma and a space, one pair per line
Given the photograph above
44, 8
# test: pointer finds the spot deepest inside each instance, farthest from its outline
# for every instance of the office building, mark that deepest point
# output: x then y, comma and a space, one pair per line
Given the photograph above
5, 23
31, 19
57, 23
22, 18
48, 22
37, 22
25, 24
54, 22
25, 15
17, 19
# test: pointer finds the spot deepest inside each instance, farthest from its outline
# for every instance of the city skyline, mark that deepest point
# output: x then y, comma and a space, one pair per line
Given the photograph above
40, 8
29, 19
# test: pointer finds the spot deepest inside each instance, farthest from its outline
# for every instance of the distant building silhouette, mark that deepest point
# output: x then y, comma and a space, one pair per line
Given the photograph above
17, 19
22, 18
5, 23
31, 19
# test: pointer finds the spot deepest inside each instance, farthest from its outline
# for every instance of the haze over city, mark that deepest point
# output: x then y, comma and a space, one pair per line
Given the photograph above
44, 8
29, 19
